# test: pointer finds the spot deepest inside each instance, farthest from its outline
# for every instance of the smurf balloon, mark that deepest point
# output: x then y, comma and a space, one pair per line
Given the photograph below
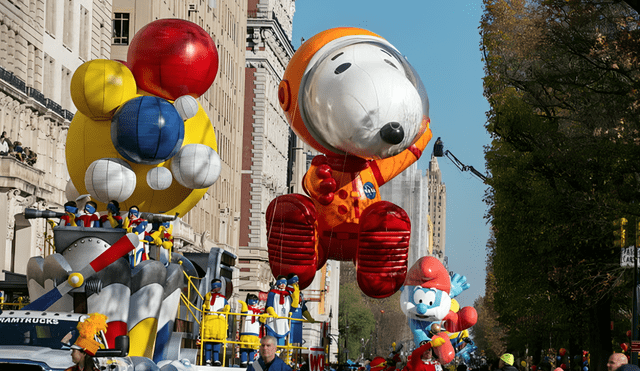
426, 300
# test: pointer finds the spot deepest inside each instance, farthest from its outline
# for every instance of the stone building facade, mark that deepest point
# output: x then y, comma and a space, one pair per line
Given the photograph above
41, 43
274, 160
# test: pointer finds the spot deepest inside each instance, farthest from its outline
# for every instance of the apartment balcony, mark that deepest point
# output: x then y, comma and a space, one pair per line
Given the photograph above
18, 175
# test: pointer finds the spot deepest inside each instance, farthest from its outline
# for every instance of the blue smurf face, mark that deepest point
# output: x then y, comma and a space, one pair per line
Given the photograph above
423, 303
134, 212
425, 299
89, 208
252, 302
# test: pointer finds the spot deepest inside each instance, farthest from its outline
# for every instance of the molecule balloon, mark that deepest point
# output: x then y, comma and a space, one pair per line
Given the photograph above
119, 118
351, 95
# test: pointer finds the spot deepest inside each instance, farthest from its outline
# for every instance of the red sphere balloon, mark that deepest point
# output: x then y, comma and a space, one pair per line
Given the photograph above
534, 367
563, 366
562, 352
173, 57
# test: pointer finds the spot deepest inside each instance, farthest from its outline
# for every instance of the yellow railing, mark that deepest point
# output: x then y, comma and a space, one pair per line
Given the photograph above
49, 245
286, 348
198, 314
21, 303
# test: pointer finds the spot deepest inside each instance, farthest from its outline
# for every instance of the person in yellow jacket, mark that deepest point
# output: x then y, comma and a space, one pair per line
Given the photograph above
215, 311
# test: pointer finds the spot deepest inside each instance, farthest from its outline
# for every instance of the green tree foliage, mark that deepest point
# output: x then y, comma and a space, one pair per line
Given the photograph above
562, 81
374, 324
487, 333
355, 314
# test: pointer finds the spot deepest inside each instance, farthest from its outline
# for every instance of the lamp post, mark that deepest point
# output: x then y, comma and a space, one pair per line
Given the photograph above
378, 332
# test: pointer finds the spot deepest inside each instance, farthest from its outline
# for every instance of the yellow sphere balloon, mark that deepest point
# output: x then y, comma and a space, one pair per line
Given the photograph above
100, 86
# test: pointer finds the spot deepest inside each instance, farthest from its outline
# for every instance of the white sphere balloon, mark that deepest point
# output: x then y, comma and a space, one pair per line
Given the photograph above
196, 166
109, 179
159, 178
187, 106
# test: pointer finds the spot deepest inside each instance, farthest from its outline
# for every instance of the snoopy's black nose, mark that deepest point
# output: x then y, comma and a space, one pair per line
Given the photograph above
392, 133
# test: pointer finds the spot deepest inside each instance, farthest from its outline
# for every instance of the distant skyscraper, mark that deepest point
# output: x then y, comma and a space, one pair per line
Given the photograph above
437, 206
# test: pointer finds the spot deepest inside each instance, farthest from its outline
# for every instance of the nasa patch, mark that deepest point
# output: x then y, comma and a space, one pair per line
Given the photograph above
369, 190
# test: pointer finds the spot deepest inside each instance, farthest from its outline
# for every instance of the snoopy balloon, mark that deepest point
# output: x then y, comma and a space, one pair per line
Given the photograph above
352, 96
427, 298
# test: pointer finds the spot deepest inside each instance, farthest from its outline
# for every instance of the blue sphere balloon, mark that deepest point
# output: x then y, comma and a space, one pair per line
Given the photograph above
147, 130
585, 368
559, 358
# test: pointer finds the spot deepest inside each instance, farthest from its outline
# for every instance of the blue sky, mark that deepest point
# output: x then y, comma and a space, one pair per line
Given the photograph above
441, 40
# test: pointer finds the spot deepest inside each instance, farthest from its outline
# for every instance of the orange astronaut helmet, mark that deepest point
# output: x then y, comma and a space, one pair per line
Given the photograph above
349, 91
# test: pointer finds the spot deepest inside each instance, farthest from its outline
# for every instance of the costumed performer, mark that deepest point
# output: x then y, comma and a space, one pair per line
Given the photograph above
215, 324
299, 312
88, 217
279, 304
422, 358
112, 219
250, 332
161, 235
133, 223
69, 217
86, 346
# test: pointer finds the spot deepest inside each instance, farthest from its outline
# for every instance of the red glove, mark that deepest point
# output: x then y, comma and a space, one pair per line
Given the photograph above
465, 318
325, 185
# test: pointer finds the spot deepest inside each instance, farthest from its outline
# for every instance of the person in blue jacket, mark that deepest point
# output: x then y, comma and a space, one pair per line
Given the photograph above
268, 360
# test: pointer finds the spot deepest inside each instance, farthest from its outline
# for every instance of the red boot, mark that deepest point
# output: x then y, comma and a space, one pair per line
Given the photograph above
383, 250
291, 237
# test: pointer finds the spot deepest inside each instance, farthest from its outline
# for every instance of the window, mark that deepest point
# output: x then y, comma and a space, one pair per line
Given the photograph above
120, 29
85, 33
50, 17
67, 27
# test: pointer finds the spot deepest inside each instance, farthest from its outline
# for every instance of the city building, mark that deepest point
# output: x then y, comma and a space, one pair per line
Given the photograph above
41, 44
274, 160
